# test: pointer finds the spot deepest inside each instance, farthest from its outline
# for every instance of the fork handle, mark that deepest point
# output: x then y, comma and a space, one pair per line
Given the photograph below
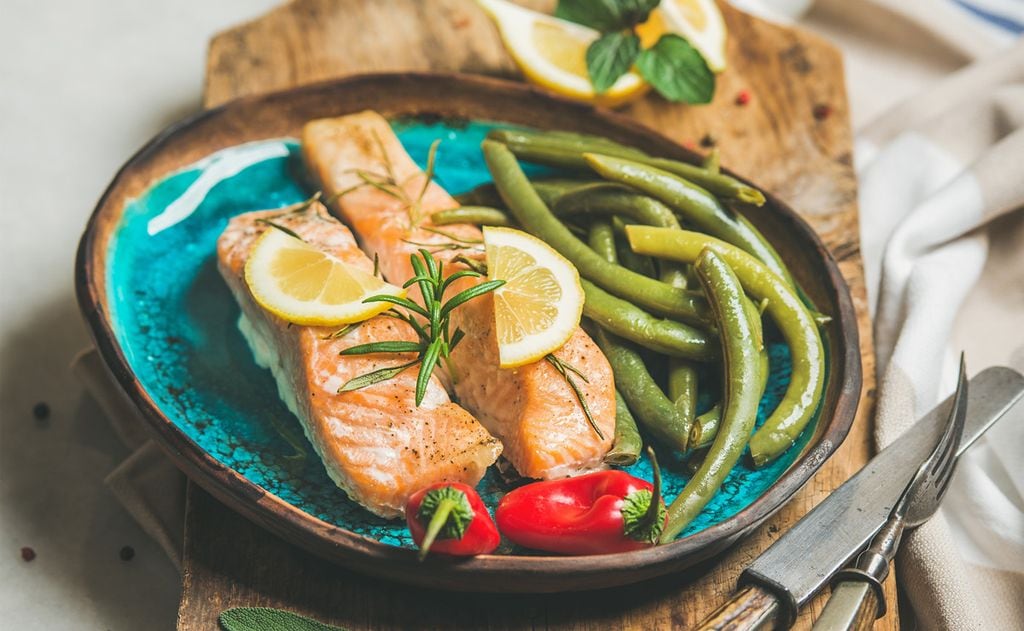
853, 606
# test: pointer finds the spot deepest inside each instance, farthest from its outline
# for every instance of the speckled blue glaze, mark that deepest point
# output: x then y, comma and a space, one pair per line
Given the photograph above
176, 323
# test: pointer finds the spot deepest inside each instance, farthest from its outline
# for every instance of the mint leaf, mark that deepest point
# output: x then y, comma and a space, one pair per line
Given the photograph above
606, 15
609, 57
677, 71
635, 12
265, 618
602, 15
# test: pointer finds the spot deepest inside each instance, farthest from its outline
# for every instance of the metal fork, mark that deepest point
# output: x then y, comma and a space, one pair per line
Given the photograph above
857, 597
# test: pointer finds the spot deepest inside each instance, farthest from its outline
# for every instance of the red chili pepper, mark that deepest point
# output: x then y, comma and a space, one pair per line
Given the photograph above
596, 513
450, 518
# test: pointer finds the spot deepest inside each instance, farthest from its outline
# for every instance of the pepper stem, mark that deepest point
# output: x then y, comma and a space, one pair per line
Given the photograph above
643, 514
437, 522
650, 517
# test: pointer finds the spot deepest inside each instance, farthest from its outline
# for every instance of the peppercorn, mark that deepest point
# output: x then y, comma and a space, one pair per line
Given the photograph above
127, 553
822, 111
41, 411
743, 97
27, 554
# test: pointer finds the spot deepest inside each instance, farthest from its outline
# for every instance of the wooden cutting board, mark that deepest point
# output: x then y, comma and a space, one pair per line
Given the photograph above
793, 137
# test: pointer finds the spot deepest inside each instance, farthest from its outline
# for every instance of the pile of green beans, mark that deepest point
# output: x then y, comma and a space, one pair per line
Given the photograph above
784, 307
663, 302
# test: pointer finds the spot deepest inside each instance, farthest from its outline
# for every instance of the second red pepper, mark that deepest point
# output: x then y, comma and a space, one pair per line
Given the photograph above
596, 513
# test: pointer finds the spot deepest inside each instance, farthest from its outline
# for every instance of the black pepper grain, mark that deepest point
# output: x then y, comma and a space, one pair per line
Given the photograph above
41, 411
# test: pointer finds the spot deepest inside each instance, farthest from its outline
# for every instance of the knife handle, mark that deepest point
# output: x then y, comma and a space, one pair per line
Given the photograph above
853, 606
752, 608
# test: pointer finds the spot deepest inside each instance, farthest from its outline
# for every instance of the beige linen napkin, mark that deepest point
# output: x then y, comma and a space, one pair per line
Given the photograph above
942, 177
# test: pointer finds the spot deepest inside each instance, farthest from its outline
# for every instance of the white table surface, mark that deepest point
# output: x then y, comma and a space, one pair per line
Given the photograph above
83, 84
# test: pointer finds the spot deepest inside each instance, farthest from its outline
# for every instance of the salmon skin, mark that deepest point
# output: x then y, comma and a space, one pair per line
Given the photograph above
375, 443
532, 409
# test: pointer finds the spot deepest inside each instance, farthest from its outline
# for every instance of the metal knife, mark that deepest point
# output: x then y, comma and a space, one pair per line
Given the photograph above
786, 575
858, 598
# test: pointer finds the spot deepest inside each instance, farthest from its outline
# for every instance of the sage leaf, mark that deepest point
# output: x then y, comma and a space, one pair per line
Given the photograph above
265, 618
609, 57
677, 71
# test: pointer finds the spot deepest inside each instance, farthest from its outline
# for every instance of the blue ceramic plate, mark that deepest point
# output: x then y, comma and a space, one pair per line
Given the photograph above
173, 323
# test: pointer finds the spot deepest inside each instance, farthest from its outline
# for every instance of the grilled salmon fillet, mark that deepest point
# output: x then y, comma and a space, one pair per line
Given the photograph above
540, 422
375, 443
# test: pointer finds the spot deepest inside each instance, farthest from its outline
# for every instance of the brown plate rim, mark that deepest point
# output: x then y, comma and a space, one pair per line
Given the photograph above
507, 573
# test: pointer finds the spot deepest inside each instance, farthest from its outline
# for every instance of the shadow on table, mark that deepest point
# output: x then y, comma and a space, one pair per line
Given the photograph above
56, 447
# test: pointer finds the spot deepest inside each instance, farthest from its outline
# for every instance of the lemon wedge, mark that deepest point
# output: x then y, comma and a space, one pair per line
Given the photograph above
299, 283
697, 21
538, 308
552, 53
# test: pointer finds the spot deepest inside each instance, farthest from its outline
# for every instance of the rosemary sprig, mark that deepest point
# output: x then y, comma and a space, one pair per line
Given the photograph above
436, 339
294, 209
288, 231
567, 371
389, 184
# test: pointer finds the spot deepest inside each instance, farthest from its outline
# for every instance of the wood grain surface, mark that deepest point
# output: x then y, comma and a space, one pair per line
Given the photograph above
776, 139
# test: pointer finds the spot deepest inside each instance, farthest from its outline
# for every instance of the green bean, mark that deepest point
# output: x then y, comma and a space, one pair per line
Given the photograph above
550, 191
487, 194
740, 396
682, 388
713, 161
598, 199
479, 215
704, 429
628, 258
601, 239
483, 195
606, 198
533, 215
560, 151
648, 403
627, 444
695, 459
784, 307
632, 323
697, 206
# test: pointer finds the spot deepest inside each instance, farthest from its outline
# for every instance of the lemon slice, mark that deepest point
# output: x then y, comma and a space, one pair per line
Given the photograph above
301, 284
698, 22
552, 52
538, 308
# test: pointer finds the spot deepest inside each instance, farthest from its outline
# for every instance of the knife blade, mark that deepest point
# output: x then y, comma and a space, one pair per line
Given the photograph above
786, 575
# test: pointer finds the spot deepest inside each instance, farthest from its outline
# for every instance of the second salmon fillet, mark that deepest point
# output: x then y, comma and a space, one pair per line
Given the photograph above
541, 424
